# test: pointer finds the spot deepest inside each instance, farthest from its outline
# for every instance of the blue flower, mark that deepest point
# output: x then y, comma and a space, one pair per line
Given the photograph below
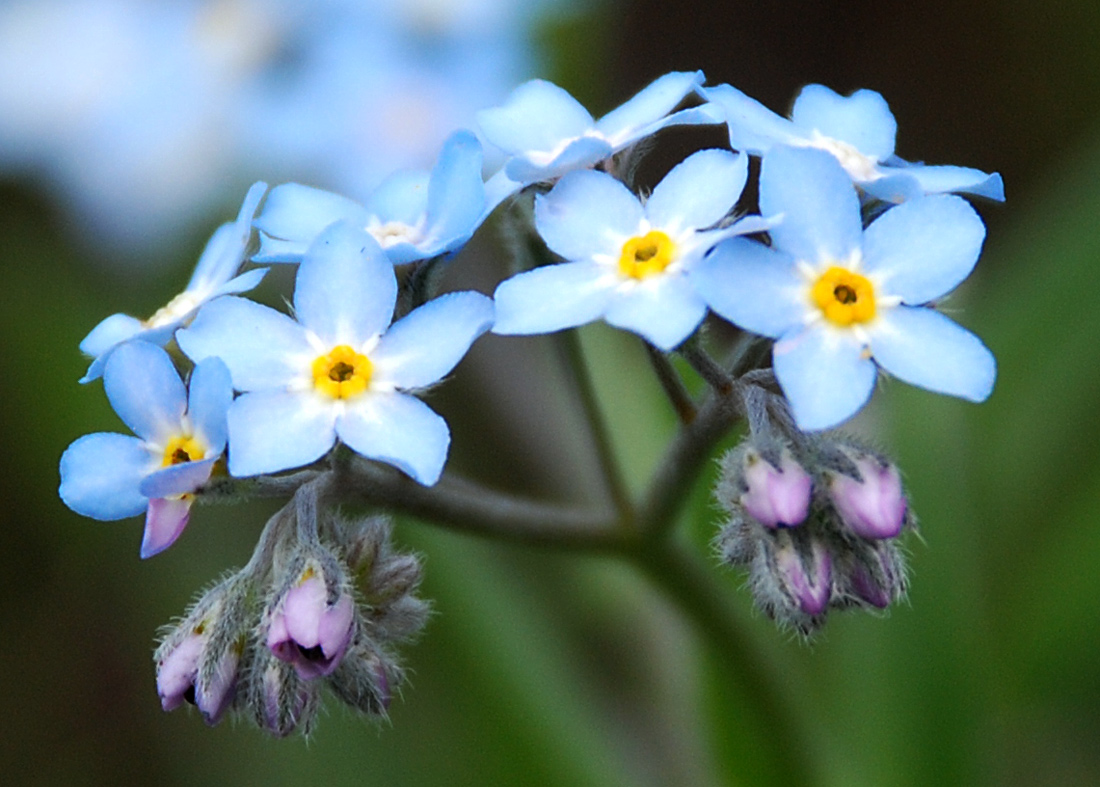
840, 299
215, 274
412, 215
859, 130
629, 263
180, 436
340, 370
547, 133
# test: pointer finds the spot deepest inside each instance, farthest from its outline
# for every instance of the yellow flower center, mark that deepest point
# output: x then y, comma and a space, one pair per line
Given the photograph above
182, 449
844, 297
343, 373
646, 255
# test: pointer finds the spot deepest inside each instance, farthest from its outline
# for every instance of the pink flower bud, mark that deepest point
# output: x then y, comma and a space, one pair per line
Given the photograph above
308, 632
809, 586
874, 507
776, 497
178, 675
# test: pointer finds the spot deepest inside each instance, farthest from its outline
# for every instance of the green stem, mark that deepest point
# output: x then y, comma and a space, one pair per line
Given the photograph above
605, 452
694, 591
683, 458
471, 508
714, 375
672, 385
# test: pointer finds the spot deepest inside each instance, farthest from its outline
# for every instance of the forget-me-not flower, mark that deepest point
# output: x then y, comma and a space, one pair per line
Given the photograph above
180, 435
627, 262
215, 274
412, 214
840, 300
859, 130
546, 132
341, 370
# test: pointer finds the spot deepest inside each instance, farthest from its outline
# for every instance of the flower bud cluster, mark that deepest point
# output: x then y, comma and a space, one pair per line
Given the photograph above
303, 614
816, 527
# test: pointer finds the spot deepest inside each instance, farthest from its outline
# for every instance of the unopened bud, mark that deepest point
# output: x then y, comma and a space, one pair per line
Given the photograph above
280, 700
197, 662
873, 506
806, 577
364, 679
776, 496
311, 625
876, 575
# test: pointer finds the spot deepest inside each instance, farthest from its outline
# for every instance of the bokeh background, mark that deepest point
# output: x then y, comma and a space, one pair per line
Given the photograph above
122, 148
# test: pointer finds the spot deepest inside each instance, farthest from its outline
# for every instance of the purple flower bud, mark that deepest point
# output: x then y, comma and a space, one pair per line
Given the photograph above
285, 702
874, 507
776, 497
307, 631
198, 666
178, 670
877, 577
808, 586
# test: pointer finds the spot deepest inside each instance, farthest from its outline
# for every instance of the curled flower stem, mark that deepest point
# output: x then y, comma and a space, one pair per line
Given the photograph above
672, 385
471, 508
225, 489
582, 382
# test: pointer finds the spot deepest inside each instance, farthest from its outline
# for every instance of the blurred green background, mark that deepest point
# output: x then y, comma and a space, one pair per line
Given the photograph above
548, 668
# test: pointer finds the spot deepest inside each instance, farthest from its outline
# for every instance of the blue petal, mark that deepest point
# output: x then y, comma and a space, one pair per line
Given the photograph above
402, 197
654, 102
923, 248
699, 191
299, 213
271, 431
896, 187
552, 298
587, 213
114, 329
924, 348
263, 348
209, 397
100, 475
399, 430
753, 127
216, 263
497, 189
752, 286
222, 256
942, 179
663, 309
144, 388
821, 220
824, 375
537, 116
456, 195
278, 250
581, 153
427, 343
346, 288
693, 116
243, 283
178, 479
863, 119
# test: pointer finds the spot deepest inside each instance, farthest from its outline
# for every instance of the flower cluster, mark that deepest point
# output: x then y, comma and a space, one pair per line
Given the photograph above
840, 268
265, 639
815, 524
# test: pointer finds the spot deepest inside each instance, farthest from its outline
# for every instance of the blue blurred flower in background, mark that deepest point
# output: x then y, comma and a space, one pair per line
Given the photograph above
139, 115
